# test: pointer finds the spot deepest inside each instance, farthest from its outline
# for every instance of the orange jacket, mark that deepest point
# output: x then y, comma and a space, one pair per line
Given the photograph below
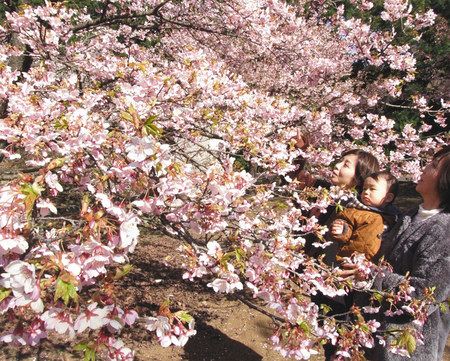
362, 232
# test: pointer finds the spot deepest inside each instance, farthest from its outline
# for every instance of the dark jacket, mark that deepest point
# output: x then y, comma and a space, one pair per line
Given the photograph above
421, 249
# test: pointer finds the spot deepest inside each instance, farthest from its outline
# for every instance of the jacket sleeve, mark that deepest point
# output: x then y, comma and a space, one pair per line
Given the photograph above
430, 266
347, 232
366, 237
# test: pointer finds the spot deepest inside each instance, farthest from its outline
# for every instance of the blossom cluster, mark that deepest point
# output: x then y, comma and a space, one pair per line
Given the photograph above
150, 113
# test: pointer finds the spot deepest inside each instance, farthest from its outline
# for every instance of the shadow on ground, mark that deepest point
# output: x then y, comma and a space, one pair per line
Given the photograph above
210, 344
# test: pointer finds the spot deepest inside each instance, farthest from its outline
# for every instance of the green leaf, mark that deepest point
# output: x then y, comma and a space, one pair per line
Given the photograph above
37, 189
32, 193
31, 189
176, 167
325, 308
155, 131
410, 343
126, 116
226, 257
4, 292
378, 296
122, 272
151, 128
61, 123
184, 316
304, 326
339, 207
240, 254
89, 352
406, 340
151, 119
365, 328
81, 347
65, 291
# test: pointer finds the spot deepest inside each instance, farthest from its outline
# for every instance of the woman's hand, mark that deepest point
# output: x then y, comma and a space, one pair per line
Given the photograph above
348, 270
301, 140
305, 179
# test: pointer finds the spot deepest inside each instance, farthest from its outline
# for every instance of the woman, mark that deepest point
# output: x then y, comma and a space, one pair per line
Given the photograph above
353, 168
419, 245
349, 172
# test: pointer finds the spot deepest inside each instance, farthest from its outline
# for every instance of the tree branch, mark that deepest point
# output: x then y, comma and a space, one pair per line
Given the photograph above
118, 18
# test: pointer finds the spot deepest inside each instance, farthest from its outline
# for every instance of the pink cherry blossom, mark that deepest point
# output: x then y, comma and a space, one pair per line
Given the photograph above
46, 207
52, 181
92, 317
60, 321
117, 351
190, 136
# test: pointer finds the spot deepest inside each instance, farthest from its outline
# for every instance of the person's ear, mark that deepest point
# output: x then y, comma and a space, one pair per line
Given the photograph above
389, 198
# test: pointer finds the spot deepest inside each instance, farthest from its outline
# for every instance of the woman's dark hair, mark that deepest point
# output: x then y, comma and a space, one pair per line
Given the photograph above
365, 166
443, 158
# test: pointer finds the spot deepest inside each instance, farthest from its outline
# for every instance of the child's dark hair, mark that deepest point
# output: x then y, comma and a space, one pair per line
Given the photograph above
392, 182
366, 164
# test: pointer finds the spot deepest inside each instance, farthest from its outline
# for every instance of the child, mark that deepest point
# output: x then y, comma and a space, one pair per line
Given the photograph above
359, 227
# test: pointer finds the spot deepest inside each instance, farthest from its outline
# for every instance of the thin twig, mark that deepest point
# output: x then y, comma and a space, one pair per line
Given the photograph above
278, 320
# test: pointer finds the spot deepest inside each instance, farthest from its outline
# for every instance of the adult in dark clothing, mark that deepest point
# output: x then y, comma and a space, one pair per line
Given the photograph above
349, 172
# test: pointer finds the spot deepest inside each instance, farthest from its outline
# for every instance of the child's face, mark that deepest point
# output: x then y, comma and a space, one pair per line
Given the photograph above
374, 192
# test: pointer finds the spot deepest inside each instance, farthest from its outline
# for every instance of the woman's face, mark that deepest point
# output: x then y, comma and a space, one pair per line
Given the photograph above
344, 171
428, 182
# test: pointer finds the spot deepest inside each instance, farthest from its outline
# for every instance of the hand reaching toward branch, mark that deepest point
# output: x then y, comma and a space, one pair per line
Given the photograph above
301, 140
349, 270
305, 179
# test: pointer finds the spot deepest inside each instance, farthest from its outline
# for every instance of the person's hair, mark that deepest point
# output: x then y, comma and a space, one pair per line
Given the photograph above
443, 158
392, 182
366, 164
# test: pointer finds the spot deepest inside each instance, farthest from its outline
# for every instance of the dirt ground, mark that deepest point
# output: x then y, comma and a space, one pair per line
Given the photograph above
227, 328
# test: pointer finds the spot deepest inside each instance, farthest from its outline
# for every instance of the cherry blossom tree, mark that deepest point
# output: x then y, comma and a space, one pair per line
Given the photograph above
120, 106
